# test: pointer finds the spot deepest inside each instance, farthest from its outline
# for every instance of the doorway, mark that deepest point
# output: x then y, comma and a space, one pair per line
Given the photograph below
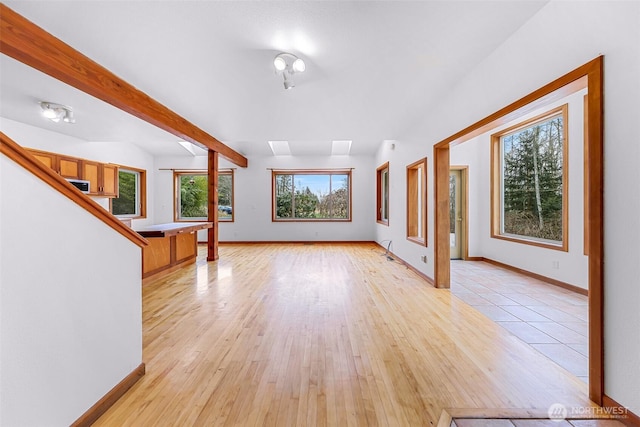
589, 75
457, 212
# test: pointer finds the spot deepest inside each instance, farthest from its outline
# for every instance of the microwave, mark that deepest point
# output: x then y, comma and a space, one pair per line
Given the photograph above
80, 184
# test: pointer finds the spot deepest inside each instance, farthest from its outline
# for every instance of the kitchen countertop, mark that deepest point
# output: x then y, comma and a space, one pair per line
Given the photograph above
172, 229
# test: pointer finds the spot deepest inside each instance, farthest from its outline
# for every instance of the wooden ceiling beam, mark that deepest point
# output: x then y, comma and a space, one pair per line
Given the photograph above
26, 42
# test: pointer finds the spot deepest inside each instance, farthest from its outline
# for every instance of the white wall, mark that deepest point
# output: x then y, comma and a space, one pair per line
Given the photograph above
70, 304
121, 153
558, 39
252, 205
476, 153
400, 154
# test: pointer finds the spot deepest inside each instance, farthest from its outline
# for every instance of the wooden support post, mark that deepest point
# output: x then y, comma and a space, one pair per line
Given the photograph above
442, 246
212, 240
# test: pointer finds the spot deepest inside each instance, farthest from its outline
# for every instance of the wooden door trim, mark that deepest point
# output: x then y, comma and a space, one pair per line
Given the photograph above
591, 76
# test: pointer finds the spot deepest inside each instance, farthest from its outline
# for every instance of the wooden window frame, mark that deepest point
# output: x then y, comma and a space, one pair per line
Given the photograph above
142, 190
276, 172
379, 194
230, 172
496, 182
417, 201
176, 205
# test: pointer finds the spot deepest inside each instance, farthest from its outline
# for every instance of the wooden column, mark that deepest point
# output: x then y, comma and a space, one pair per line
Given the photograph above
442, 246
212, 241
595, 209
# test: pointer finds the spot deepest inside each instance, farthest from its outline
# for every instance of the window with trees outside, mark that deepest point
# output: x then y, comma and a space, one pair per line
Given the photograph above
131, 201
192, 196
382, 194
529, 173
311, 195
417, 202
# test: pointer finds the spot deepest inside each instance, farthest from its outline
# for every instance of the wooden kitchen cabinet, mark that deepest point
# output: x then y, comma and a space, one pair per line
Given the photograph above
102, 177
90, 172
110, 180
69, 167
49, 159
65, 166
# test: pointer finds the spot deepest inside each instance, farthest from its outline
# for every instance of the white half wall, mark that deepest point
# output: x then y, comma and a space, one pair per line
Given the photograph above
70, 304
562, 36
121, 153
252, 194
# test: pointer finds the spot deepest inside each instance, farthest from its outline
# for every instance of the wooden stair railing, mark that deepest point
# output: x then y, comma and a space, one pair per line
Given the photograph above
15, 152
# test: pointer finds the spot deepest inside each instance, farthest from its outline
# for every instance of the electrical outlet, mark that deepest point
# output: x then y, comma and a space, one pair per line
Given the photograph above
424, 259
555, 265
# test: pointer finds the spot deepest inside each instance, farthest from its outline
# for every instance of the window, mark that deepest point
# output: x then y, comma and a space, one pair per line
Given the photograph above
382, 194
132, 193
312, 195
225, 195
529, 173
417, 202
192, 196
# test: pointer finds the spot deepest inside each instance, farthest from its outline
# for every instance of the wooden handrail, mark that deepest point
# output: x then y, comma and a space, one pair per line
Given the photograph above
15, 152
26, 42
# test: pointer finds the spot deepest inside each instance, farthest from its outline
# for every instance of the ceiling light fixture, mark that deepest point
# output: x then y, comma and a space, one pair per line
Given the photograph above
57, 112
288, 64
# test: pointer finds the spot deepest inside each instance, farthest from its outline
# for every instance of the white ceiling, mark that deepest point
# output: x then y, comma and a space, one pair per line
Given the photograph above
373, 68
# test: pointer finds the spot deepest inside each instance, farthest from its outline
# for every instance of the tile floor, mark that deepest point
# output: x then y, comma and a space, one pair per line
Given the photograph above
550, 319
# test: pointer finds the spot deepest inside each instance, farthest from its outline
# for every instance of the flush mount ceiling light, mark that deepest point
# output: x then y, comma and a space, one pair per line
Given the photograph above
57, 112
288, 64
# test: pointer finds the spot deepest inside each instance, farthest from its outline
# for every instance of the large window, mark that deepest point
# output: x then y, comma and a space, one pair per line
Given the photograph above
131, 201
192, 195
382, 194
529, 172
417, 202
312, 195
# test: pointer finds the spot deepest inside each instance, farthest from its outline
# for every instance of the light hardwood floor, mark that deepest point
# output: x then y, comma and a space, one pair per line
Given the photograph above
323, 334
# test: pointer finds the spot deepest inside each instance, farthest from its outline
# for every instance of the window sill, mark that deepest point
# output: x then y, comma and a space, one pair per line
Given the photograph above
417, 240
130, 217
310, 220
560, 246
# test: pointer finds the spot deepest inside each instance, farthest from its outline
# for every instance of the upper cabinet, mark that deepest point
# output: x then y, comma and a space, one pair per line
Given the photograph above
65, 166
69, 167
103, 177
